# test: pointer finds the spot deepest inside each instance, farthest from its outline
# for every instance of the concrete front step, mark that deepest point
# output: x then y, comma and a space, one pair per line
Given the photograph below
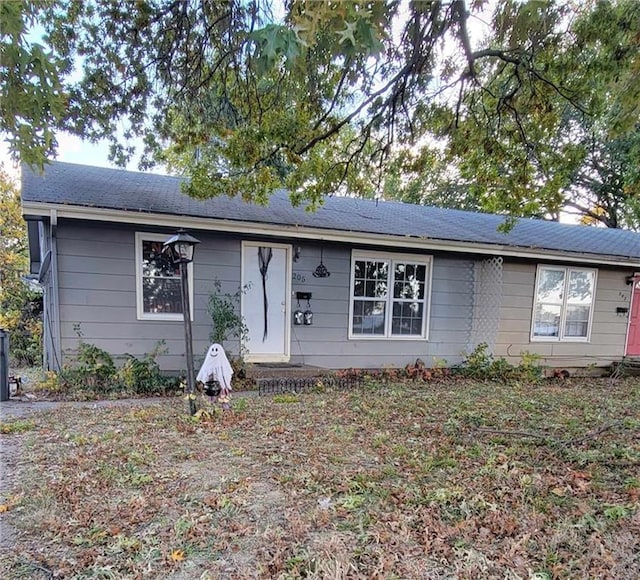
283, 370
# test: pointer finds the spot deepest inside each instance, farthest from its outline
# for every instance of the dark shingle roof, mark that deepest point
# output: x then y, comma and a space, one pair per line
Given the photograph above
87, 186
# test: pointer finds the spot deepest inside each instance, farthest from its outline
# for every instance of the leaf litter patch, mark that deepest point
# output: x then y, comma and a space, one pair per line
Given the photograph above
464, 480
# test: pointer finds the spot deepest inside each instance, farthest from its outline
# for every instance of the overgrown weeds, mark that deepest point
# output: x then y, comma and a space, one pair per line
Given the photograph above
17, 426
466, 480
480, 364
95, 375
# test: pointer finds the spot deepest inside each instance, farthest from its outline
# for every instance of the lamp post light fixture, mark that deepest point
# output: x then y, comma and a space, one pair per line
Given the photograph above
182, 246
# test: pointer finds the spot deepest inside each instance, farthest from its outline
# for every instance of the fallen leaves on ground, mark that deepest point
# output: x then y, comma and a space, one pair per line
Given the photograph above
455, 479
177, 556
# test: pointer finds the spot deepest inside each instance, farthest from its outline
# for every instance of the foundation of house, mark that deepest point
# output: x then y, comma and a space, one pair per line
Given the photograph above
629, 366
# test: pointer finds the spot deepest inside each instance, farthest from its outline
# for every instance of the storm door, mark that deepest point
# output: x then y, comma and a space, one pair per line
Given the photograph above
266, 275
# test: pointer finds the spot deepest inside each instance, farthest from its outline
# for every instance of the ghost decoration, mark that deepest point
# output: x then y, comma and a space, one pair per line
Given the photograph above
216, 367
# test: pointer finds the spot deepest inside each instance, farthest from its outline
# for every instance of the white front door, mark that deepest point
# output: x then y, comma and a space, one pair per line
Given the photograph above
266, 272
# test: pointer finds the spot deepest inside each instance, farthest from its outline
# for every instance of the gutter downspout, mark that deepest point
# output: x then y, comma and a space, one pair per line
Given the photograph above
55, 361
47, 343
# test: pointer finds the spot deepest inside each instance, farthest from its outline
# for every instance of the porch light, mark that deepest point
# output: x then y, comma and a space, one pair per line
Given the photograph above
182, 246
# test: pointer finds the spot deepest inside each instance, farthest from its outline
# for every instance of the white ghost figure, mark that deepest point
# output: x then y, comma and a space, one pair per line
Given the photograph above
216, 367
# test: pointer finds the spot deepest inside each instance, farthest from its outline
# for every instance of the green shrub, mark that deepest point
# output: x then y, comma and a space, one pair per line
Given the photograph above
224, 310
94, 370
228, 322
530, 369
143, 375
482, 365
20, 303
95, 374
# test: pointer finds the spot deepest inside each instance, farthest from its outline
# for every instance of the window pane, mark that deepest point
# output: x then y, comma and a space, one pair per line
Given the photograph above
155, 262
369, 270
413, 290
398, 289
547, 320
368, 317
407, 318
381, 289
370, 289
374, 289
409, 281
375, 270
577, 321
551, 286
370, 279
580, 287
161, 295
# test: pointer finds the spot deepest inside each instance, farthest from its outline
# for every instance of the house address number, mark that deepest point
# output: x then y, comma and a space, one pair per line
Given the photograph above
297, 277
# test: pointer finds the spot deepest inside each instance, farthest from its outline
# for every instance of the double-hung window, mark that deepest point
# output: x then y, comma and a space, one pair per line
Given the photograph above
158, 290
563, 306
389, 295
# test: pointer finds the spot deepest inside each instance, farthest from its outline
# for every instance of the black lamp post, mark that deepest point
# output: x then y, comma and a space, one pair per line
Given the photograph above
182, 246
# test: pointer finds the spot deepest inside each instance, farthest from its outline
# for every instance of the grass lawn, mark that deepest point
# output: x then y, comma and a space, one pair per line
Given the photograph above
452, 480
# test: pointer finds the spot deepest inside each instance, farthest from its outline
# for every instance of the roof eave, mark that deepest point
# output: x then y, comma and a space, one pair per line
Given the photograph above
143, 218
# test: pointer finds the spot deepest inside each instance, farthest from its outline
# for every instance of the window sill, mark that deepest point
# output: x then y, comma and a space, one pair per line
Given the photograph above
380, 337
162, 317
551, 339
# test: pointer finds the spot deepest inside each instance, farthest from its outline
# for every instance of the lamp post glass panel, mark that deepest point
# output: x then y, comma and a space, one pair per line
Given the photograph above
182, 247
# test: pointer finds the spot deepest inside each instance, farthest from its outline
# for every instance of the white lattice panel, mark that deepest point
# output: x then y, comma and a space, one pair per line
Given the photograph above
487, 302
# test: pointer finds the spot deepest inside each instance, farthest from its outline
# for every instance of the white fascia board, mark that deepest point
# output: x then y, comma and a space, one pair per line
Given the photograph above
310, 233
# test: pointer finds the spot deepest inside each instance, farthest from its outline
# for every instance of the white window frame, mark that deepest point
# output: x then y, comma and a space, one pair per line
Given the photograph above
141, 315
391, 258
563, 307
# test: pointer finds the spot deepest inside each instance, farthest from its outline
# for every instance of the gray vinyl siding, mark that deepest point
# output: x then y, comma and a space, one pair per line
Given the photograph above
98, 298
608, 331
98, 292
326, 343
